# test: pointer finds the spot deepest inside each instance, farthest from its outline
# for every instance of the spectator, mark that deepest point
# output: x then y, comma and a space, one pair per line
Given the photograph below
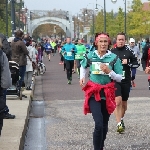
7, 50
19, 55
6, 82
29, 68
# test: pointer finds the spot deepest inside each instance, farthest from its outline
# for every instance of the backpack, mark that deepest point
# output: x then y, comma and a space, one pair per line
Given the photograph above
6, 47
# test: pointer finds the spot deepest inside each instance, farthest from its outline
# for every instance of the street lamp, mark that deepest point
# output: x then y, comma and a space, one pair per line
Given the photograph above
93, 21
96, 9
113, 1
93, 14
125, 14
76, 21
13, 24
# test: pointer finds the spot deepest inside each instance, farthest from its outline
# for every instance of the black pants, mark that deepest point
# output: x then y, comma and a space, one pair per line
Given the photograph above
1, 122
101, 118
2, 109
64, 65
61, 58
78, 65
69, 67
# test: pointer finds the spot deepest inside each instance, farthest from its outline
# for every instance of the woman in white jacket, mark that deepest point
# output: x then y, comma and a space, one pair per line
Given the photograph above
29, 68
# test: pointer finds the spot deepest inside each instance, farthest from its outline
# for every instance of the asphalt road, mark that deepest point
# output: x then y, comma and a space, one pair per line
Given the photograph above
68, 129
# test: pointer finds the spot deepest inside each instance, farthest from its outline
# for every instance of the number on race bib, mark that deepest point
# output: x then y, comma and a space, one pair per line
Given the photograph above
69, 53
96, 68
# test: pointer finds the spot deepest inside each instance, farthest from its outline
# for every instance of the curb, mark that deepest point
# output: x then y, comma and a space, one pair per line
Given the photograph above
22, 139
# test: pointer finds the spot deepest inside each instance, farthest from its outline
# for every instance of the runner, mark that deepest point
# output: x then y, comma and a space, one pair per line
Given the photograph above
69, 50
100, 89
81, 50
48, 49
136, 51
122, 93
53, 44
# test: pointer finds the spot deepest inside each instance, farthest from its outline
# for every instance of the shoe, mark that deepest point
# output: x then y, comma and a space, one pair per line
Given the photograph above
120, 128
122, 122
69, 82
9, 116
49, 60
60, 63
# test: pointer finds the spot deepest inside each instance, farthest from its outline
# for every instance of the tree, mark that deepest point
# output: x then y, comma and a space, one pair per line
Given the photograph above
136, 19
99, 23
111, 24
119, 21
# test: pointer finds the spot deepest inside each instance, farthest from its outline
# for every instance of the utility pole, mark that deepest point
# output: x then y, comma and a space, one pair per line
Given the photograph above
125, 18
7, 18
13, 24
104, 15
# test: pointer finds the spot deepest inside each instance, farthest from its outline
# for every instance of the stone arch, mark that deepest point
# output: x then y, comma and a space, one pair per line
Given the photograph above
53, 20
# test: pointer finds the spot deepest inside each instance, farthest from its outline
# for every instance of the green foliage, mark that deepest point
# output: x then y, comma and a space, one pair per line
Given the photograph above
138, 21
3, 19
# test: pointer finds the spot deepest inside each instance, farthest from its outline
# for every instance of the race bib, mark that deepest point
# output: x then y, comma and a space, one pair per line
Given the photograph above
69, 53
80, 55
123, 75
96, 68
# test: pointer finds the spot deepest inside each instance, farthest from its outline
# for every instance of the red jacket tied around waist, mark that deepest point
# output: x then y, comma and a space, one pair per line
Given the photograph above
92, 88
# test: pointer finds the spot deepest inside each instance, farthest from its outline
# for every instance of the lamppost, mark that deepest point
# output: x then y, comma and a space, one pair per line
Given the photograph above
104, 9
78, 25
7, 18
13, 24
125, 14
67, 19
93, 20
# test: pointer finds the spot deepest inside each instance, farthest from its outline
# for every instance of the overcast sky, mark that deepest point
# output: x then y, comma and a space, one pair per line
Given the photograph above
73, 6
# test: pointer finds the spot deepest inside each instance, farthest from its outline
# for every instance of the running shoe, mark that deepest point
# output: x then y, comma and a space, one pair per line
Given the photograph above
120, 128
69, 82
122, 122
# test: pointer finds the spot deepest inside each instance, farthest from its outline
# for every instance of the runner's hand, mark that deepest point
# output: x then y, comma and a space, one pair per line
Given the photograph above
82, 81
124, 61
147, 70
105, 68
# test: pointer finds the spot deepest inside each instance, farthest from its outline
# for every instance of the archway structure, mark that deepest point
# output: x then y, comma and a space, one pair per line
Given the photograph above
48, 18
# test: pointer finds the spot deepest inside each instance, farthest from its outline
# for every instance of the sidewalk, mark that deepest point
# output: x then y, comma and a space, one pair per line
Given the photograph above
14, 130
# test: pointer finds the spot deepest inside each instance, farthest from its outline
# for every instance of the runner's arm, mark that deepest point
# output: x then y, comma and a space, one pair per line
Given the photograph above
82, 72
116, 73
133, 61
